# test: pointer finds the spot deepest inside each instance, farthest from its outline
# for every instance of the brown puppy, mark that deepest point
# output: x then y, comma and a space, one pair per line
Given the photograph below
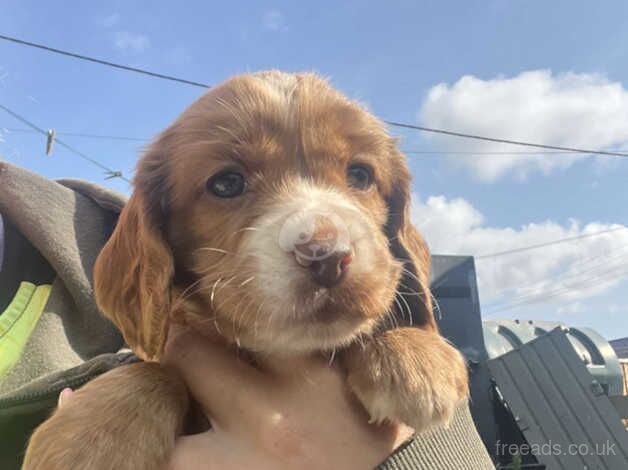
273, 212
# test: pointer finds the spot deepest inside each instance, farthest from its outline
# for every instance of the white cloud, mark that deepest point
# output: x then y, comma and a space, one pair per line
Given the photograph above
274, 20
132, 42
110, 20
564, 272
577, 110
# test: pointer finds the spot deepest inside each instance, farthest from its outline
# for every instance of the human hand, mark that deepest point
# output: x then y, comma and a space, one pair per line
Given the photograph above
293, 413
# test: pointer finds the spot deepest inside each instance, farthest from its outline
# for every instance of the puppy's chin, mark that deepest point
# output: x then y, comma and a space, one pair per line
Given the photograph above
304, 337
319, 319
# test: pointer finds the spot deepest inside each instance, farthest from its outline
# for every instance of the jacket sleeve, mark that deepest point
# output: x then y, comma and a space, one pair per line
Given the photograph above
25, 408
458, 447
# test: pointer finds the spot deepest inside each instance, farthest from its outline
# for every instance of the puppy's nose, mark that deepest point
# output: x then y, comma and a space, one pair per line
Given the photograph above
330, 270
320, 243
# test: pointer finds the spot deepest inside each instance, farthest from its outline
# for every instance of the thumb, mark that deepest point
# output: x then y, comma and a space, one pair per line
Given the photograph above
64, 397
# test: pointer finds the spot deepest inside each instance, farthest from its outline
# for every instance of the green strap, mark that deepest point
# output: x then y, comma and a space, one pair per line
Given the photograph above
18, 321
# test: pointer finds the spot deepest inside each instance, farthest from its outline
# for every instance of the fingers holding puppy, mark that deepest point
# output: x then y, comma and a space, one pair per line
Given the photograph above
221, 382
407, 375
280, 413
64, 396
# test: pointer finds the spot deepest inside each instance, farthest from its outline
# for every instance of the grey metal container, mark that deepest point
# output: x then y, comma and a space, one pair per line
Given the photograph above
502, 336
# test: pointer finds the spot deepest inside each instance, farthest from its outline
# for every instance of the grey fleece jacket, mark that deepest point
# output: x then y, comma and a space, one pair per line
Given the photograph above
66, 223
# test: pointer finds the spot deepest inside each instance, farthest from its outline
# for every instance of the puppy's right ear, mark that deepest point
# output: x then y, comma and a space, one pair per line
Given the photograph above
134, 272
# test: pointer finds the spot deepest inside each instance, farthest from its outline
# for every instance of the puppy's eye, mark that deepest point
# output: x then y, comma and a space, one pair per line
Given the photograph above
227, 184
359, 176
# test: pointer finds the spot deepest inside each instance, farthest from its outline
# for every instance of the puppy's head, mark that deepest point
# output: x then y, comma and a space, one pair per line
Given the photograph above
281, 209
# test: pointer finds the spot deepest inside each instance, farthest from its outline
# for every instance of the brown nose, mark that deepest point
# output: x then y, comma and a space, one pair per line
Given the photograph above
330, 270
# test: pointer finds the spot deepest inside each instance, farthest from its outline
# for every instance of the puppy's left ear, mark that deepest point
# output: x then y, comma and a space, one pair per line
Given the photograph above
133, 274
407, 245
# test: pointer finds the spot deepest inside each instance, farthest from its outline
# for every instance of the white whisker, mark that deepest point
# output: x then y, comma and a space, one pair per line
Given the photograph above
331, 359
217, 250
211, 297
246, 229
437, 307
408, 307
246, 281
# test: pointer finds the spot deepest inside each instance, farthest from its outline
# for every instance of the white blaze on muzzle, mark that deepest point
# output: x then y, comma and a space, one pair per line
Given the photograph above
313, 235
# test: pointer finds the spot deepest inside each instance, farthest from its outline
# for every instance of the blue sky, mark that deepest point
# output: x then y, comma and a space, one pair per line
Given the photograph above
553, 73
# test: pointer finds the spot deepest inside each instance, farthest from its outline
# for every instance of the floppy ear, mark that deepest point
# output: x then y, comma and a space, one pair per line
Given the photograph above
407, 245
133, 273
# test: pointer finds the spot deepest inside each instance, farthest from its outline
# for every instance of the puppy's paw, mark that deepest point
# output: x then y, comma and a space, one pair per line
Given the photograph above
127, 418
407, 375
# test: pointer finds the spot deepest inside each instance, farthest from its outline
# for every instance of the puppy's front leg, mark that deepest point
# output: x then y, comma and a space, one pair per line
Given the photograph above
407, 375
127, 418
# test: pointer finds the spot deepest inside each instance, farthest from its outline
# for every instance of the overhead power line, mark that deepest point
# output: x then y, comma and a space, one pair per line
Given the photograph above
110, 172
505, 152
596, 265
505, 141
595, 270
390, 123
409, 152
102, 62
553, 242
78, 134
406, 151
610, 275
